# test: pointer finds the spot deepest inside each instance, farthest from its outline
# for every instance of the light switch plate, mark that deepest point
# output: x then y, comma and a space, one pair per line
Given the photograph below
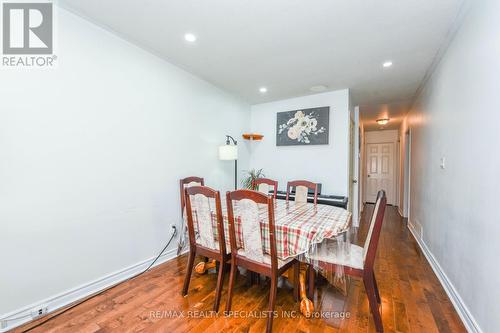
442, 163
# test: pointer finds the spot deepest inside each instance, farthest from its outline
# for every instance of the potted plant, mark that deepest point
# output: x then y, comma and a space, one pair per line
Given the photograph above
250, 177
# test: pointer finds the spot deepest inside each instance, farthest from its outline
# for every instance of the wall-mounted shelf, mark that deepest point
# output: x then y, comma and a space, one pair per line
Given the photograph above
252, 136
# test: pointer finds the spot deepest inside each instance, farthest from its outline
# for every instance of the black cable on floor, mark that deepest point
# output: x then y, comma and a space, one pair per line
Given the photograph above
109, 288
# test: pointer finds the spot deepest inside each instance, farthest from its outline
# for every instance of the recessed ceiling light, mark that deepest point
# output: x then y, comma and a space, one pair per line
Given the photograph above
318, 88
190, 37
263, 90
387, 64
383, 121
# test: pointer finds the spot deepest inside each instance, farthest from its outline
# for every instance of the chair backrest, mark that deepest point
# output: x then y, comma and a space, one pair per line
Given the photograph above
372, 238
204, 205
263, 185
243, 205
301, 189
187, 182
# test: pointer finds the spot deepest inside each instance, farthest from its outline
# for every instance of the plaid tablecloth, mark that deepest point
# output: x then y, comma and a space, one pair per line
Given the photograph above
298, 226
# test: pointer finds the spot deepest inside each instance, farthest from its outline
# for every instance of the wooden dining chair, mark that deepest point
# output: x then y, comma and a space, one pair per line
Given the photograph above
188, 182
302, 188
263, 185
200, 201
359, 262
184, 183
250, 253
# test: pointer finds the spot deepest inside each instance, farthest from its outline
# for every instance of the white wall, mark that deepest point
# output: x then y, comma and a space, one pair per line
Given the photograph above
91, 154
325, 164
457, 117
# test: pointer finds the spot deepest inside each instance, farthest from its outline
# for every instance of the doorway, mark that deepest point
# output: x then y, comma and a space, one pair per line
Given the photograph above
380, 171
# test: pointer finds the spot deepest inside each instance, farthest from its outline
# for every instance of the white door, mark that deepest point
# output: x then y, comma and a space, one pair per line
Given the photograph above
380, 171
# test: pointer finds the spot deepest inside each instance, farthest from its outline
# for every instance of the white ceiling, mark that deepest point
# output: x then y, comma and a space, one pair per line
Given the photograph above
393, 111
290, 45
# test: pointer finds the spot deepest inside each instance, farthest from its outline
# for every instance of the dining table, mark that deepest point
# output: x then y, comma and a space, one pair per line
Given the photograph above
299, 228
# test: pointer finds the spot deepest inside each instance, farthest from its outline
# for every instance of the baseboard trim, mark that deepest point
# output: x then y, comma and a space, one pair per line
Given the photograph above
22, 316
470, 323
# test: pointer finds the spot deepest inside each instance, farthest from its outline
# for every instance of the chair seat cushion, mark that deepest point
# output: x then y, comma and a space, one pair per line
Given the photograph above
353, 257
267, 259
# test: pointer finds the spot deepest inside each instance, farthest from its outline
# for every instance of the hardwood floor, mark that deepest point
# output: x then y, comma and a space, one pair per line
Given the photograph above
412, 299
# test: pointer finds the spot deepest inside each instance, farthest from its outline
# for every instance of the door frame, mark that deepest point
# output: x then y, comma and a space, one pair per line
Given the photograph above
395, 169
354, 165
407, 175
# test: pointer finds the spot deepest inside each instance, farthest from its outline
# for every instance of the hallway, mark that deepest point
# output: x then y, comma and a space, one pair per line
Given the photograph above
413, 299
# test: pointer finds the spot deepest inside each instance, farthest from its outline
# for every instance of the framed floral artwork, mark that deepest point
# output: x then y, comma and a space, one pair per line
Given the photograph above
303, 127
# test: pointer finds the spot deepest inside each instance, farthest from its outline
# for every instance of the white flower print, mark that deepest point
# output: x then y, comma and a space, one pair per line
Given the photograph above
301, 127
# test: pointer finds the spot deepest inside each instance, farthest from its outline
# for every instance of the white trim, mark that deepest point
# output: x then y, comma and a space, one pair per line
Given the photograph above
470, 323
356, 215
70, 296
407, 167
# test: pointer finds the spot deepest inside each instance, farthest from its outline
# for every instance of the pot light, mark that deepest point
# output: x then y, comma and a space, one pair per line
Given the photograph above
263, 90
190, 37
382, 121
387, 64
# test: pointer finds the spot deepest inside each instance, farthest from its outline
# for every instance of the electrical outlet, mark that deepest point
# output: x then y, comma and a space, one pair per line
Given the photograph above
39, 311
174, 229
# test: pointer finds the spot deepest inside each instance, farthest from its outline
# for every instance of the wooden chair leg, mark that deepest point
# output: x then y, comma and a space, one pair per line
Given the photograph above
189, 270
372, 300
312, 277
220, 282
272, 300
253, 280
249, 279
296, 273
379, 301
232, 276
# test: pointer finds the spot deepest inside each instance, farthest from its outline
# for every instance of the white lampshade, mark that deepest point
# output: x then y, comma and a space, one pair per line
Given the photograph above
228, 152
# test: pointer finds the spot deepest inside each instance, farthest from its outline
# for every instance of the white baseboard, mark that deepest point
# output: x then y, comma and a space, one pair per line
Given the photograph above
22, 316
470, 323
